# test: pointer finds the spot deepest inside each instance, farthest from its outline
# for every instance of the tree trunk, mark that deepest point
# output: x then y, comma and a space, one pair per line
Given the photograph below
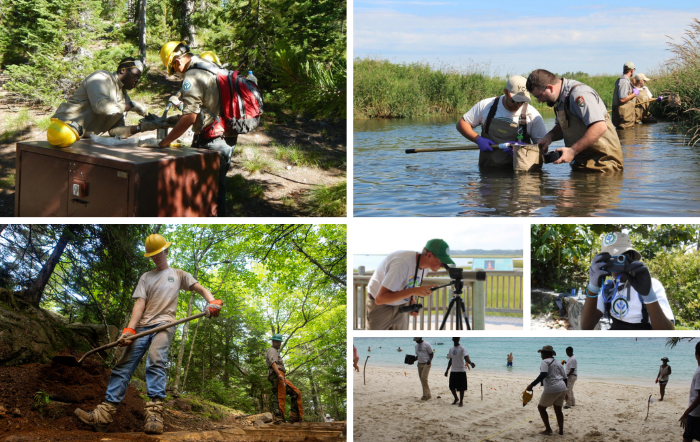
183, 343
187, 31
314, 395
34, 293
142, 30
189, 358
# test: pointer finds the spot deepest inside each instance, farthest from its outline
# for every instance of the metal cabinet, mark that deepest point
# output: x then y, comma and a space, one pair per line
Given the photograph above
88, 179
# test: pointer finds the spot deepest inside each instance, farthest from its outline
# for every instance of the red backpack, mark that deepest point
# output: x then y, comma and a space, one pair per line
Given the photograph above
241, 101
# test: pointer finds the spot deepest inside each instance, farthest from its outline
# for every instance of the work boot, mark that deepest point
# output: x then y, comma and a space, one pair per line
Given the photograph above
277, 419
154, 417
294, 417
100, 418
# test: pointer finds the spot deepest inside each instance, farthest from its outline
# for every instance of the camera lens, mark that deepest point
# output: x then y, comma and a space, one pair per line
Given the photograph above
620, 259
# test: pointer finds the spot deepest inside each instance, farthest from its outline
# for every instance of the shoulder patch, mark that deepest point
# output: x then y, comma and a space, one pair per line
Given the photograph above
186, 86
580, 101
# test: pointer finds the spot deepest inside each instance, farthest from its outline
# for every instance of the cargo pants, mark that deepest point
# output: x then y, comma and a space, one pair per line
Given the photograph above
282, 389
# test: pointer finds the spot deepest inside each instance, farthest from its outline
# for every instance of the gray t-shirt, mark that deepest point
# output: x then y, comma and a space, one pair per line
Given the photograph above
572, 366
554, 382
395, 272
457, 354
160, 289
585, 103
623, 87
273, 356
423, 351
694, 387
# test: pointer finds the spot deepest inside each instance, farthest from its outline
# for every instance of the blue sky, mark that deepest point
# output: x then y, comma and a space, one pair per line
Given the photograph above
516, 37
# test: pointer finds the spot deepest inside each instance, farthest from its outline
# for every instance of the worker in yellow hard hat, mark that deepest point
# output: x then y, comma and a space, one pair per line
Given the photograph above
201, 106
210, 56
156, 297
98, 105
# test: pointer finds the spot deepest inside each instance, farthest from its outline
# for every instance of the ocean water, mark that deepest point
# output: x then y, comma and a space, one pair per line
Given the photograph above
626, 360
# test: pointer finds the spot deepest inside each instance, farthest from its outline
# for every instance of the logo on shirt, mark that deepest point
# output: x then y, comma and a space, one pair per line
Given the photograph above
186, 86
171, 279
620, 307
610, 238
454, 352
580, 101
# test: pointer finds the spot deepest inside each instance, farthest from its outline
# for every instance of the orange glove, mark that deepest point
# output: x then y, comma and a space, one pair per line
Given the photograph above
124, 338
214, 308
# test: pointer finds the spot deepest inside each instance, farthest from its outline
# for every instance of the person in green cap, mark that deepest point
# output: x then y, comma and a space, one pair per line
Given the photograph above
281, 386
397, 282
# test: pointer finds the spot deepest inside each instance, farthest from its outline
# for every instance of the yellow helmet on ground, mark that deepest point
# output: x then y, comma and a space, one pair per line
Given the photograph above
170, 51
62, 134
210, 56
527, 397
155, 244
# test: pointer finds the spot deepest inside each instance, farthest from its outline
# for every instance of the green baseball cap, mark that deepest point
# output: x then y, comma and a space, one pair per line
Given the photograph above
277, 337
440, 249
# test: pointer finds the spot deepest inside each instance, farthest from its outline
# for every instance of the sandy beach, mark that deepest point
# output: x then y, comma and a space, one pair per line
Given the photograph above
388, 407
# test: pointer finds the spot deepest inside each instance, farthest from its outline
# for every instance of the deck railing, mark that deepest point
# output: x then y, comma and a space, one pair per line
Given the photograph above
502, 292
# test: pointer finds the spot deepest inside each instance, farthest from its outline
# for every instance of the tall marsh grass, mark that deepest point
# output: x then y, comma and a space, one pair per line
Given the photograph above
382, 89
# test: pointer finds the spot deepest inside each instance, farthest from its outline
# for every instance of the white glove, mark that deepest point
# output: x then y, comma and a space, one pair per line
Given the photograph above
139, 108
175, 101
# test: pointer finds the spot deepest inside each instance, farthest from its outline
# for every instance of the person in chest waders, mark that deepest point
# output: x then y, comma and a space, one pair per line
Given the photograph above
625, 97
582, 122
504, 119
633, 300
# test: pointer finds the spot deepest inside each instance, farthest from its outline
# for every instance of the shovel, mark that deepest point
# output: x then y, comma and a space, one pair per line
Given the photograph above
71, 362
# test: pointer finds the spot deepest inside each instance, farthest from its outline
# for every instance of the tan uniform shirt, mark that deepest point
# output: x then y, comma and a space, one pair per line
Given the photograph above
273, 356
160, 289
97, 105
200, 95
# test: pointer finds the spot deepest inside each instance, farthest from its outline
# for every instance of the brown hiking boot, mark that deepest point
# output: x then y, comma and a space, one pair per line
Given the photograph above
154, 417
277, 419
100, 418
294, 417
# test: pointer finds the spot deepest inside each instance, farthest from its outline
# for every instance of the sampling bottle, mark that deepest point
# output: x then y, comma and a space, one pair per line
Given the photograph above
252, 77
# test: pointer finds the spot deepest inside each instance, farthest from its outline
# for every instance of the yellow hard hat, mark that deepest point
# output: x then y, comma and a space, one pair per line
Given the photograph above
171, 50
210, 56
527, 397
155, 244
62, 134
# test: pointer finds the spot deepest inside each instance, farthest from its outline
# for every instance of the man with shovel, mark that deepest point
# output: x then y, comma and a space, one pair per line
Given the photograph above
156, 298
281, 386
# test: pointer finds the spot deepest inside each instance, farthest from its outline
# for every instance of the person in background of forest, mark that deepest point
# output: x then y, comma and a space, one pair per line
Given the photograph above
355, 358
662, 377
281, 386
633, 300
504, 119
553, 377
690, 419
98, 105
156, 296
582, 121
201, 99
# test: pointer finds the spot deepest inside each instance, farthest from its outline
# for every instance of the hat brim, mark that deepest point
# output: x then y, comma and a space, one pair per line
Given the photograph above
520, 97
612, 250
148, 255
551, 351
445, 259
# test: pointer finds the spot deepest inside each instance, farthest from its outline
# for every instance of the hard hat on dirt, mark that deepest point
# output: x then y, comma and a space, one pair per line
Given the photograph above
170, 51
277, 337
210, 56
155, 244
62, 134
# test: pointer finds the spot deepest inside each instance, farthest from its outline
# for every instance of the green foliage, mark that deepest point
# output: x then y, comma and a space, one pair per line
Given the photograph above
680, 275
41, 400
328, 200
256, 162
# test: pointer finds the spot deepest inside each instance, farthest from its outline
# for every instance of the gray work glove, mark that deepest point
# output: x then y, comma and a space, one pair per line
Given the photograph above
172, 120
149, 142
176, 102
596, 273
139, 108
640, 279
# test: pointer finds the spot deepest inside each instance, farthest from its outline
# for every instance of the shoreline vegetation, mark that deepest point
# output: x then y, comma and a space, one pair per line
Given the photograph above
382, 89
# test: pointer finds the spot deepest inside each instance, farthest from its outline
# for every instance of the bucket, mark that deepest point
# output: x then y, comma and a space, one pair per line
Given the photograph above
527, 158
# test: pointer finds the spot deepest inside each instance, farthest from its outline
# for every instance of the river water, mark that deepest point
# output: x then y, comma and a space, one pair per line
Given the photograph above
661, 176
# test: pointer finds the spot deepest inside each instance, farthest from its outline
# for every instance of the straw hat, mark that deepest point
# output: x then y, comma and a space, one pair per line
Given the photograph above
548, 348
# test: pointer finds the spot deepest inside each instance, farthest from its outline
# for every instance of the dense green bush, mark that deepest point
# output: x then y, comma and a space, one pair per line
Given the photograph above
680, 275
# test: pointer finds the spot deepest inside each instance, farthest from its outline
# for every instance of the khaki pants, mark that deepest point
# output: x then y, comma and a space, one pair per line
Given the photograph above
423, 372
385, 317
570, 390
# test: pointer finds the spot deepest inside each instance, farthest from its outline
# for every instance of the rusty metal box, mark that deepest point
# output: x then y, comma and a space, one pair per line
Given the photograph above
88, 179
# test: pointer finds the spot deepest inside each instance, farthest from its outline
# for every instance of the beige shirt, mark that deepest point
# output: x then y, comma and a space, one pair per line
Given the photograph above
97, 105
160, 289
273, 355
200, 95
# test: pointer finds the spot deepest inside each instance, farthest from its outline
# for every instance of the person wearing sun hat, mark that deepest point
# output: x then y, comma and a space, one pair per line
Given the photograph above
553, 378
624, 99
397, 282
662, 377
633, 300
643, 106
505, 119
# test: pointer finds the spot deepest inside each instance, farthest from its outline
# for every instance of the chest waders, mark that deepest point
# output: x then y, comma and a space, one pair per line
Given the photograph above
623, 115
502, 132
611, 296
642, 111
605, 155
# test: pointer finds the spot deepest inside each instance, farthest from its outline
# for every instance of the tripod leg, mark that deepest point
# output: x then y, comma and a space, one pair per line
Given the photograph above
464, 312
447, 314
458, 317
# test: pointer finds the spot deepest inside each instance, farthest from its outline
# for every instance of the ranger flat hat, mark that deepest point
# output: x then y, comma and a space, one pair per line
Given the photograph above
617, 243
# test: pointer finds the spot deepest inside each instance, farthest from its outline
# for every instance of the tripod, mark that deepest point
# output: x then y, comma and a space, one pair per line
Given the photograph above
458, 303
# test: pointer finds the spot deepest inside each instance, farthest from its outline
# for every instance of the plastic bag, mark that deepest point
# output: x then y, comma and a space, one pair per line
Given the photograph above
114, 142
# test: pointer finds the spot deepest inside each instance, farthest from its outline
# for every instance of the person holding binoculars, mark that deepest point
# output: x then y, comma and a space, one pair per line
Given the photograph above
633, 300
396, 283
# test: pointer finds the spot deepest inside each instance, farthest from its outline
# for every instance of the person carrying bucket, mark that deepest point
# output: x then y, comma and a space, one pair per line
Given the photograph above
504, 119
156, 296
582, 122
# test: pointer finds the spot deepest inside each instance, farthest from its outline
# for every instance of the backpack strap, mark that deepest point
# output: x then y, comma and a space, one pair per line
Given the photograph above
489, 117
